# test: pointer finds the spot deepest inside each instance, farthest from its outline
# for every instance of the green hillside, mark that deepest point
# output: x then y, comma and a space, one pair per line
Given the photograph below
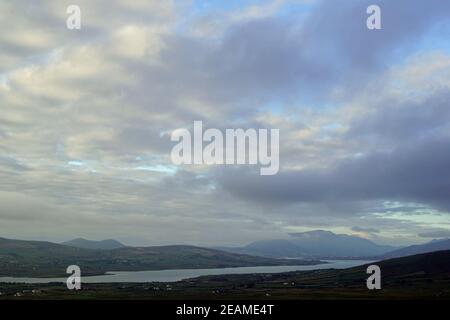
46, 259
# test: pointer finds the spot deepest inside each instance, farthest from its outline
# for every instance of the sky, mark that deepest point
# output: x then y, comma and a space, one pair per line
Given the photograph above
86, 117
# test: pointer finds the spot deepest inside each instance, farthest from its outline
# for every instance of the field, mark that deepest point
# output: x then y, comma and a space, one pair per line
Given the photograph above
425, 276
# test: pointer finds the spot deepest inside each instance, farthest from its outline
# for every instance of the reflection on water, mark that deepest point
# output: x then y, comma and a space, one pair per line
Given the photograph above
176, 275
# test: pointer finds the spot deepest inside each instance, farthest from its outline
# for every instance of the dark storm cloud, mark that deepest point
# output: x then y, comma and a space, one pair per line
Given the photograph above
406, 159
332, 46
398, 123
342, 29
410, 173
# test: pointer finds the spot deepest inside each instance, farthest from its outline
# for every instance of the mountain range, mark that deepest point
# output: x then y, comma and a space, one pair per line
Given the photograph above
47, 259
314, 244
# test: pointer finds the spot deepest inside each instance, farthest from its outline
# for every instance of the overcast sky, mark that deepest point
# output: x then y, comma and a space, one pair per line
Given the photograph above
86, 117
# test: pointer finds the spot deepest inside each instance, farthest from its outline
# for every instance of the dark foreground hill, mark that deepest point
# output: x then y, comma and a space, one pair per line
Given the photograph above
413, 277
46, 259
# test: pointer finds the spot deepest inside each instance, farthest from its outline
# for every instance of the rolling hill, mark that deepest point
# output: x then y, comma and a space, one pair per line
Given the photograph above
108, 244
435, 245
46, 259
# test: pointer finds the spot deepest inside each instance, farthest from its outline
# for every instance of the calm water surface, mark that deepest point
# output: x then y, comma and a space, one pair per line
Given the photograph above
176, 275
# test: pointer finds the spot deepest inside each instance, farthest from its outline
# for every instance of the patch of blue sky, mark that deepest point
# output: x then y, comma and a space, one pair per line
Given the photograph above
167, 169
287, 8
79, 165
429, 217
199, 6
437, 39
414, 212
76, 163
296, 8
292, 109
41, 59
4, 80
276, 107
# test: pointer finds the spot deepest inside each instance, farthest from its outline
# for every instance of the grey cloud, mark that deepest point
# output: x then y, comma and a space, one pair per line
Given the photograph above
410, 173
12, 164
438, 233
396, 122
343, 32
274, 58
368, 230
35, 28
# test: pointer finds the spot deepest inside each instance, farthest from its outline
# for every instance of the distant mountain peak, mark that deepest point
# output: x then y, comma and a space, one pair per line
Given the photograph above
315, 244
